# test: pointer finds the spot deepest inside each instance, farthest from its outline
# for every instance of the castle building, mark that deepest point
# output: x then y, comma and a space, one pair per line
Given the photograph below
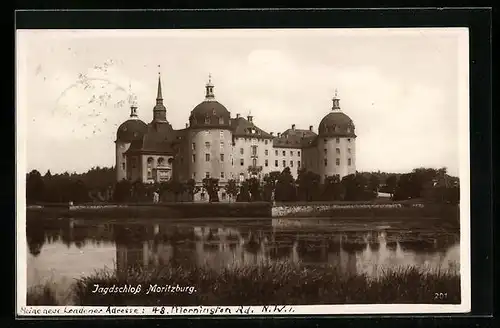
215, 145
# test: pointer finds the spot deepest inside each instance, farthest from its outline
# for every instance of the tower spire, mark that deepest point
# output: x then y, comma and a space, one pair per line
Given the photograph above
209, 88
159, 111
335, 99
159, 98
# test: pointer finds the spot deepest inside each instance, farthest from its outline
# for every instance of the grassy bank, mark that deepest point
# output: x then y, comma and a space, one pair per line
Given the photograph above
272, 284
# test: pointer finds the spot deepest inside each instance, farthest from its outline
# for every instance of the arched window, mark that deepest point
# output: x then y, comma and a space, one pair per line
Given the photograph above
150, 167
161, 161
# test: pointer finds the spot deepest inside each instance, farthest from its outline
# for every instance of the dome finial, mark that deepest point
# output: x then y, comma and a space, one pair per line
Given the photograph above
336, 105
209, 88
132, 99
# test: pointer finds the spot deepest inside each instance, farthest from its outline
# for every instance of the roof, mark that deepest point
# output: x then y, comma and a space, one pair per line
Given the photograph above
159, 138
132, 129
337, 124
210, 113
244, 128
294, 138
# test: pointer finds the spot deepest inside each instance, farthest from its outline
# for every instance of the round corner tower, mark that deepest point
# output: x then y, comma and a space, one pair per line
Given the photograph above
336, 143
210, 140
130, 130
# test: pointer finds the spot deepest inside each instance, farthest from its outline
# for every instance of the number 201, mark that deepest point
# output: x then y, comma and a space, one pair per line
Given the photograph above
440, 296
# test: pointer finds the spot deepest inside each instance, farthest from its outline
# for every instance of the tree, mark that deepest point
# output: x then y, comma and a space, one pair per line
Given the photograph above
232, 188
244, 194
211, 185
356, 187
285, 187
391, 183
177, 188
308, 185
191, 188
254, 189
122, 192
332, 188
35, 187
374, 183
270, 181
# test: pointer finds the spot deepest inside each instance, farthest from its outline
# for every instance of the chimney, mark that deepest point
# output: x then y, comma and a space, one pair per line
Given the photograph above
293, 127
238, 115
250, 118
279, 134
310, 128
271, 133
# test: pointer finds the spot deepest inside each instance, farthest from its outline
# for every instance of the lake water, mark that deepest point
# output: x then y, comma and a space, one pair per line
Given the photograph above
62, 250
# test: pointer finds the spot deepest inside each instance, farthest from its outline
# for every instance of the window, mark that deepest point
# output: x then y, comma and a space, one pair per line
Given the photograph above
326, 151
207, 175
276, 152
221, 120
193, 146
207, 157
232, 162
123, 166
222, 157
291, 163
241, 151
326, 162
276, 163
298, 153
194, 158
337, 161
298, 164
337, 140
291, 153
284, 163
222, 175
284, 154
337, 150
349, 150
161, 161
349, 161
266, 152
207, 120
254, 162
348, 130
223, 196
265, 142
242, 162
222, 146
221, 134
266, 163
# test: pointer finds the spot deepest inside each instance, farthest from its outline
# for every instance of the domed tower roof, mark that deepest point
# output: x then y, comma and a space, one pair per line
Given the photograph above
210, 113
336, 123
130, 130
133, 128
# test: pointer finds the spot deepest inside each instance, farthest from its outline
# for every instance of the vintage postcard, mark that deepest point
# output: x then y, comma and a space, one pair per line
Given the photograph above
242, 172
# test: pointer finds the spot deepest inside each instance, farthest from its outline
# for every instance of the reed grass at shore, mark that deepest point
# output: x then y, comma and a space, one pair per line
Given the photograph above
279, 283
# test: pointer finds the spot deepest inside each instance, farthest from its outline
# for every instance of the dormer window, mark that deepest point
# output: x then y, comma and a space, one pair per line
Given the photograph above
221, 120
213, 112
207, 120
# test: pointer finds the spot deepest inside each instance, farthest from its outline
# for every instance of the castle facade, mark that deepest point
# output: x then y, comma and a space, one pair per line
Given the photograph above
215, 145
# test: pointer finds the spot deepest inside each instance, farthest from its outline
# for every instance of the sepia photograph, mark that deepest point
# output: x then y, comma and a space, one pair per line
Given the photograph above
242, 171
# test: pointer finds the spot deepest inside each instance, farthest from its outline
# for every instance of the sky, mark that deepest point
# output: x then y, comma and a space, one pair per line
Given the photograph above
405, 89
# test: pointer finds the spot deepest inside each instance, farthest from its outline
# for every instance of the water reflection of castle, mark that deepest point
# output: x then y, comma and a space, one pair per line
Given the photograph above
217, 246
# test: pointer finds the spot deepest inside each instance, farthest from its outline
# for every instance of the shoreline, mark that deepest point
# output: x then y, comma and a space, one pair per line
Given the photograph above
255, 210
